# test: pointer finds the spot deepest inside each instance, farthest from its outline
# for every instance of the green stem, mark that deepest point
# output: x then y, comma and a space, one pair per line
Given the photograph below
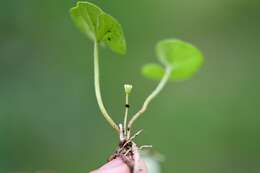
97, 89
126, 113
156, 91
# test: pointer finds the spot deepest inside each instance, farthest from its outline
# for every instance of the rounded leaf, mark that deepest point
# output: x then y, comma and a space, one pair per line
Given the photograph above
111, 33
99, 26
153, 71
184, 58
85, 16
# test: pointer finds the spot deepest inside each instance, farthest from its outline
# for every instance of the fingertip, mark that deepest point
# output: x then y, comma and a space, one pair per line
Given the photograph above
118, 166
114, 166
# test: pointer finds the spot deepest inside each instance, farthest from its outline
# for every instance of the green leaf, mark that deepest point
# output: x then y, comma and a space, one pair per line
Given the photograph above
85, 16
99, 26
111, 32
184, 58
153, 71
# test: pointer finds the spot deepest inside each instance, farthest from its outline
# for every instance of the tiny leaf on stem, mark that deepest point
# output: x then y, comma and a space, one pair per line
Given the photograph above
153, 71
99, 26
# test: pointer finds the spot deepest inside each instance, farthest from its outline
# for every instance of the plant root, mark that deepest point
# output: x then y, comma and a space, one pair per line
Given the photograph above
128, 152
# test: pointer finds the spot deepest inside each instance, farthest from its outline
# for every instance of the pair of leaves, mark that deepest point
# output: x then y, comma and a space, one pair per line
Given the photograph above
182, 57
99, 26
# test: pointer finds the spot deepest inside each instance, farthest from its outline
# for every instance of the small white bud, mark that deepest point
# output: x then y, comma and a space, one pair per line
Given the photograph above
128, 88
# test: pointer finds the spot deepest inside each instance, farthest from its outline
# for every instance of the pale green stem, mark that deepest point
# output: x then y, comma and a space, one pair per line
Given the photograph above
97, 89
126, 113
156, 91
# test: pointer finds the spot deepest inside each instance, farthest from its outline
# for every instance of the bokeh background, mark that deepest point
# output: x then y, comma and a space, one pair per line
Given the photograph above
49, 119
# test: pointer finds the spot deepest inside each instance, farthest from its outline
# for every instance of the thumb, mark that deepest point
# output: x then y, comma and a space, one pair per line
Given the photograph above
118, 166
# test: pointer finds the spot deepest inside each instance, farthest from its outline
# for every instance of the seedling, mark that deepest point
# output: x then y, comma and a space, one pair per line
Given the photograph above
178, 60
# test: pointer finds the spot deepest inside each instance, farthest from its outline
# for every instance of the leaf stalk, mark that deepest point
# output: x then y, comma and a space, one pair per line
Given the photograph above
155, 92
97, 89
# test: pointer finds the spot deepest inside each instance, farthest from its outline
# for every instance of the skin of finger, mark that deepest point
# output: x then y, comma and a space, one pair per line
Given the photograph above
118, 166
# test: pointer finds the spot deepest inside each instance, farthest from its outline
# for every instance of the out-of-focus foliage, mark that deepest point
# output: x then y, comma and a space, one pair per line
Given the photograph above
152, 165
49, 119
183, 58
153, 161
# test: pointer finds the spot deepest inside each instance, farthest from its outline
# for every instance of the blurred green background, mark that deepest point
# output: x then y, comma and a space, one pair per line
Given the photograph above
49, 119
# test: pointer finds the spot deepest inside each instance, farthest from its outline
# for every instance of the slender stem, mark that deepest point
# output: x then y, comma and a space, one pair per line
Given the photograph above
155, 92
126, 113
97, 89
